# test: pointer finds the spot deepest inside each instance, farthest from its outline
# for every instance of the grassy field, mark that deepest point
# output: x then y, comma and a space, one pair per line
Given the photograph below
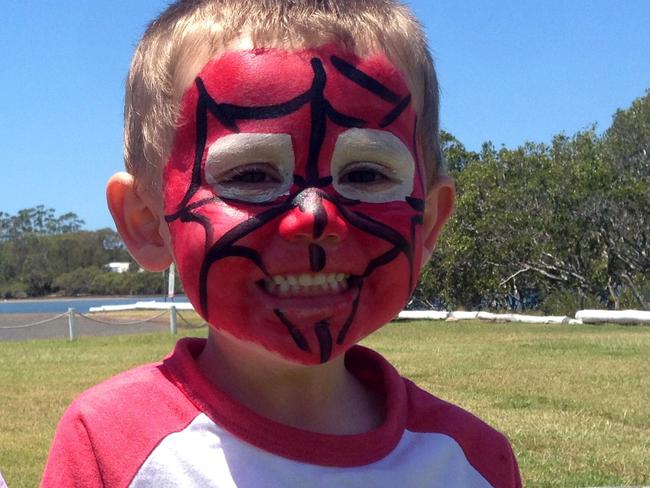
574, 400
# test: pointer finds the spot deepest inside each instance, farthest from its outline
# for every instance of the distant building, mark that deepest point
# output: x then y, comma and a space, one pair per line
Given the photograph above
118, 267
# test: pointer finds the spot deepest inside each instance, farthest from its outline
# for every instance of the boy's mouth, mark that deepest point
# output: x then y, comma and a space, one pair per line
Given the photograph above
306, 284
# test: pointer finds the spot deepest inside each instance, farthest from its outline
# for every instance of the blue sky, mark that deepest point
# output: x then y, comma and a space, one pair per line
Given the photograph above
510, 71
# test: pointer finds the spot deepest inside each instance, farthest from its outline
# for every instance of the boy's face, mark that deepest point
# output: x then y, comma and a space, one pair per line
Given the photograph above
294, 196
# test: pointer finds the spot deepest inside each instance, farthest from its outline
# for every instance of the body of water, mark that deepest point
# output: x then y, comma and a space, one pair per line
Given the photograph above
60, 305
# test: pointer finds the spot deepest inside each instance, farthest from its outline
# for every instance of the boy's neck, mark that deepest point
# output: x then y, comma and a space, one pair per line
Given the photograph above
325, 398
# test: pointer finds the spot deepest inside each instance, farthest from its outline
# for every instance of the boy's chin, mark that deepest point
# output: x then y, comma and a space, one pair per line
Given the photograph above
281, 350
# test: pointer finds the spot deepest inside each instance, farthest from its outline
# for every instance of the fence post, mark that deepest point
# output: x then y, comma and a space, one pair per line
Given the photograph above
72, 324
172, 320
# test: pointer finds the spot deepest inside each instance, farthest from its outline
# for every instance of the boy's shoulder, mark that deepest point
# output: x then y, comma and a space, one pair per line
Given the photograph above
145, 399
130, 395
485, 448
109, 429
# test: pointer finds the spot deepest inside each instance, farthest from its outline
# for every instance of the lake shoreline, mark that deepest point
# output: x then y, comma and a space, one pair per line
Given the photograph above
54, 305
55, 298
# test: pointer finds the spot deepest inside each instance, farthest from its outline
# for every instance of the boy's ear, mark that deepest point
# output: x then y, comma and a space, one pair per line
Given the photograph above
138, 221
438, 207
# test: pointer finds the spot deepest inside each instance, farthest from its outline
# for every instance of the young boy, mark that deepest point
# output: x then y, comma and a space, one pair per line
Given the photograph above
284, 155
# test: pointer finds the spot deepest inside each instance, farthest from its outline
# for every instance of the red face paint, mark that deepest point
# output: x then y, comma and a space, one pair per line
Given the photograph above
294, 197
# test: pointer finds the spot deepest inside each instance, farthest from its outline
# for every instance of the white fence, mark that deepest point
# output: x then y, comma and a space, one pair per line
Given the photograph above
581, 317
169, 309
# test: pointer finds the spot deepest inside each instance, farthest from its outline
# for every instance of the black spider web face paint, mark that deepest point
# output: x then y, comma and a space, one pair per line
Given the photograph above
310, 194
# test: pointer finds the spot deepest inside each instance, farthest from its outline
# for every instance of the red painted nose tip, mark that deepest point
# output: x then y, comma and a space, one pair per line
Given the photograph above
314, 220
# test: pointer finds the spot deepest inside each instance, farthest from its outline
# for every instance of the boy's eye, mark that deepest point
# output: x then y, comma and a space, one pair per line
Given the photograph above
372, 166
250, 167
253, 174
363, 173
255, 182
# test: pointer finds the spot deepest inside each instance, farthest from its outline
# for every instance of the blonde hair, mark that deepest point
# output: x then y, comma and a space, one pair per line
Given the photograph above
189, 33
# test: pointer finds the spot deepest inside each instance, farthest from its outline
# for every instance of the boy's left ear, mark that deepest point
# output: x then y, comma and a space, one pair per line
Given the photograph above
438, 207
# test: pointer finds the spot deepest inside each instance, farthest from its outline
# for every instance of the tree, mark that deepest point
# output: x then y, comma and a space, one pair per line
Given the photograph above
623, 217
37, 247
37, 220
566, 222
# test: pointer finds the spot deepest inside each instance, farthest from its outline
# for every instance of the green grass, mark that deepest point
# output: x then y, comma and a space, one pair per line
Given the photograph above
572, 399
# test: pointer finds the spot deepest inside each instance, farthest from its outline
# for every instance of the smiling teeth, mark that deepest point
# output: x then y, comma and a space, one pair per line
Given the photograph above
306, 284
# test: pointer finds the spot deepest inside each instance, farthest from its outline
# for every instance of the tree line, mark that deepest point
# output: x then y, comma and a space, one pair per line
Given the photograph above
553, 227
42, 253
556, 227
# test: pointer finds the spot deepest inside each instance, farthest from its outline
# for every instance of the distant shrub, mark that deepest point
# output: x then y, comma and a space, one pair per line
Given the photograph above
96, 281
565, 302
77, 282
14, 289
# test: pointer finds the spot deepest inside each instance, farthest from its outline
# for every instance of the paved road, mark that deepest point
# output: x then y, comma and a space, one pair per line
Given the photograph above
59, 327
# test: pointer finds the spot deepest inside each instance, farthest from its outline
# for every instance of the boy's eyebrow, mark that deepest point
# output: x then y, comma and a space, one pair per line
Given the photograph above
365, 81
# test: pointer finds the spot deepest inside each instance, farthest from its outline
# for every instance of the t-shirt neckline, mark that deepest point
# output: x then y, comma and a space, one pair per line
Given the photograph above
290, 442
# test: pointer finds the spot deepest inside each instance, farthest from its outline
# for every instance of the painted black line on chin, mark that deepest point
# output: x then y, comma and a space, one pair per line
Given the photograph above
324, 337
296, 335
396, 112
317, 258
348, 322
364, 80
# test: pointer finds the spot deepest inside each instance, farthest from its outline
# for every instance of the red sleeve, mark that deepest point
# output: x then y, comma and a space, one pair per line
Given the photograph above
110, 430
71, 462
486, 449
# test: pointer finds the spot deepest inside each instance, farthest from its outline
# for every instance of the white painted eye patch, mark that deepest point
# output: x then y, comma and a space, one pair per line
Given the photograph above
251, 167
372, 166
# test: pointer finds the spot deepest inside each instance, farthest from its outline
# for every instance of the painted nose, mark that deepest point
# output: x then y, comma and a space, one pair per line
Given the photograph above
313, 219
